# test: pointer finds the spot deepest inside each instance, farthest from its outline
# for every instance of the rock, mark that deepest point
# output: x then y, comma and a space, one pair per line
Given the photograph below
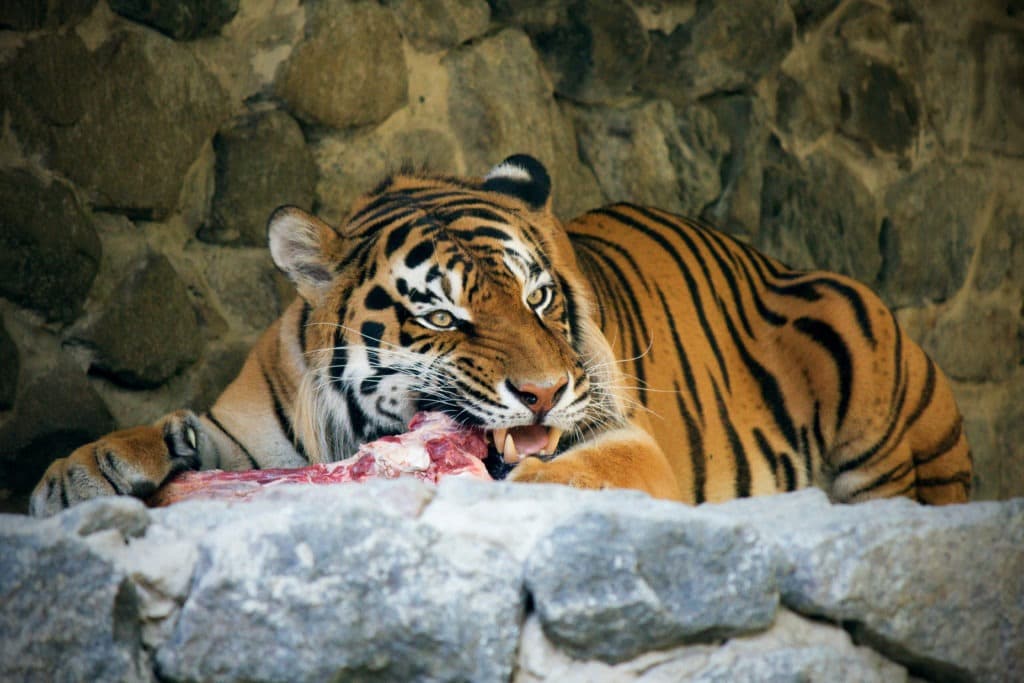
182, 20
56, 412
350, 69
793, 649
245, 284
936, 200
138, 91
49, 250
68, 613
878, 107
29, 15
432, 25
998, 117
650, 155
1001, 249
809, 13
148, 331
612, 586
262, 163
722, 48
8, 368
906, 577
403, 601
501, 103
816, 214
978, 343
349, 166
595, 52
220, 365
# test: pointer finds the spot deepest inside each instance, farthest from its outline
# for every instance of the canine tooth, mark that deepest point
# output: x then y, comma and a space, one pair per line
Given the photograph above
509, 454
554, 434
499, 439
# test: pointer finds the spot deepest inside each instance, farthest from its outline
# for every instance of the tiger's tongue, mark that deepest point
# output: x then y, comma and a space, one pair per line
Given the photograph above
530, 439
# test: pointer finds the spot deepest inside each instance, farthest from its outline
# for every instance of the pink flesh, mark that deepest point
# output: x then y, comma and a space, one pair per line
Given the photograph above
530, 439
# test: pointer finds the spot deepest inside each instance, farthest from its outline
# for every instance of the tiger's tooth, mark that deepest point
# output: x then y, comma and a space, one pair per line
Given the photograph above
509, 454
554, 434
499, 436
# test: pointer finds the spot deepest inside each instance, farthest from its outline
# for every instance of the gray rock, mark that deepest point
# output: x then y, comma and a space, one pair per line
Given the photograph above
49, 250
906, 577
501, 103
612, 585
978, 343
1000, 254
650, 155
9, 368
262, 163
56, 412
792, 649
595, 52
182, 20
29, 15
245, 283
432, 25
809, 13
148, 331
349, 70
722, 48
926, 235
68, 613
344, 589
816, 214
138, 91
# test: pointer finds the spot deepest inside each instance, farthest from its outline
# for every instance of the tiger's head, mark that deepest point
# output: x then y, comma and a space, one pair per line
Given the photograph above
458, 295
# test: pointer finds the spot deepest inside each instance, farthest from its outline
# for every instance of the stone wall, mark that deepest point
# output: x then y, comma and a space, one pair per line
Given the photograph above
144, 143
471, 581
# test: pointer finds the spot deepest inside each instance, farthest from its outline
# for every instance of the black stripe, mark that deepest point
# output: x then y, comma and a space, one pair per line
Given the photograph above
768, 454
419, 253
826, 336
739, 456
303, 321
945, 445
857, 302
927, 392
695, 441
216, 423
282, 419
789, 470
962, 478
684, 360
894, 474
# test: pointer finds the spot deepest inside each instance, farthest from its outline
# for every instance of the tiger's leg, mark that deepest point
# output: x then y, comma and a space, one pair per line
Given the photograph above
128, 462
626, 458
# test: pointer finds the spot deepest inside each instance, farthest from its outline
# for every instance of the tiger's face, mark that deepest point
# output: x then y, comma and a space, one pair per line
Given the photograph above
451, 296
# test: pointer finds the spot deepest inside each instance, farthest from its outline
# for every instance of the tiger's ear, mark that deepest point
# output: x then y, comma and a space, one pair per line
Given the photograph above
301, 246
522, 177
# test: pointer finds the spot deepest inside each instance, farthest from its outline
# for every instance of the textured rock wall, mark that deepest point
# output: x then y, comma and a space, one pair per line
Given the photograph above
396, 581
144, 143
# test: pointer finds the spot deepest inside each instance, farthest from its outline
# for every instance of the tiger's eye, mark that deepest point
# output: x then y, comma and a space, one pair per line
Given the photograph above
537, 296
441, 319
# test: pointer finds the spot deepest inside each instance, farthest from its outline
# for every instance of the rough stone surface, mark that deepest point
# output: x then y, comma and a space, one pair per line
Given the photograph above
496, 87
350, 70
906, 575
432, 25
56, 412
649, 154
999, 112
9, 368
611, 587
182, 20
399, 580
403, 601
934, 201
49, 250
29, 15
722, 47
822, 205
595, 52
150, 332
262, 163
94, 635
138, 91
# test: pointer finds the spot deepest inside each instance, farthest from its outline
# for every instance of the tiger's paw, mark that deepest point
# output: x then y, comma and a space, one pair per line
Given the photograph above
559, 471
131, 462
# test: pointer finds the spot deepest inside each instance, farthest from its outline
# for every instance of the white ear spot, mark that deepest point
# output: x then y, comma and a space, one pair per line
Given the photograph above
509, 171
297, 245
523, 177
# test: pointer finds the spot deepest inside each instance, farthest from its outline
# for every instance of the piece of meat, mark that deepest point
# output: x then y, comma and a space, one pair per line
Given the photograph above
434, 447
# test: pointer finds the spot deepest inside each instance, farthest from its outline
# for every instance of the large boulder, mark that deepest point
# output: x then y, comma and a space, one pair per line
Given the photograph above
49, 250
138, 91
432, 25
350, 69
181, 20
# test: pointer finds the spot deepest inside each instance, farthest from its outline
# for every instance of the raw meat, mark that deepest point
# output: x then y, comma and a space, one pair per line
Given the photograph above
435, 446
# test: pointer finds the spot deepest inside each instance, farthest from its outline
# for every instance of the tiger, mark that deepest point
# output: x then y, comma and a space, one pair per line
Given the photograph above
629, 348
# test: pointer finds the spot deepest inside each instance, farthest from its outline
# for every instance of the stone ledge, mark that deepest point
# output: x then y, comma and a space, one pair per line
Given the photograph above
469, 581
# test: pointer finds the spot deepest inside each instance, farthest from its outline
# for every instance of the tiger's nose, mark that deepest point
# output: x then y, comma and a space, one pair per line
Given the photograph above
539, 398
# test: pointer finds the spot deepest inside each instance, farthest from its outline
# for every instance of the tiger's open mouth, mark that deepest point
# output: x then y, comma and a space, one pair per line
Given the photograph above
515, 443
